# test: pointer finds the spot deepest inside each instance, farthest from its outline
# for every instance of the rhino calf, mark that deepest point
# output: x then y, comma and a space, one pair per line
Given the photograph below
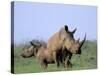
43, 55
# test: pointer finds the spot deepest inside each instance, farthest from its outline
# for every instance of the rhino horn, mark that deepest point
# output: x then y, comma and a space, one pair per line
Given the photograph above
74, 31
78, 40
32, 44
83, 41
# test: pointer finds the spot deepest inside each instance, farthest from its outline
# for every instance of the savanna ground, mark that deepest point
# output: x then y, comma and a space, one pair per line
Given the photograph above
87, 60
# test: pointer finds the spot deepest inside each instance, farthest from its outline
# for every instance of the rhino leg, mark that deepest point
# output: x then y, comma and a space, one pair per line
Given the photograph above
58, 63
65, 62
57, 58
66, 58
69, 64
45, 66
43, 63
54, 56
60, 57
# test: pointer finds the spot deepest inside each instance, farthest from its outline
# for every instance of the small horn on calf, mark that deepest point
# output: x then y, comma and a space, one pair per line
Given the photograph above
74, 30
32, 43
83, 41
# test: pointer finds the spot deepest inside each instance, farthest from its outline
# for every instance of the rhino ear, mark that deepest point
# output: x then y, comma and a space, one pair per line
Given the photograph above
31, 43
66, 27
74, 31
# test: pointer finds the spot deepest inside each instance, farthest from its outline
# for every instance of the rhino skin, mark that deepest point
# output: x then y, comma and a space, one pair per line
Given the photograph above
42, 54
27, 52
44, 57
64, 40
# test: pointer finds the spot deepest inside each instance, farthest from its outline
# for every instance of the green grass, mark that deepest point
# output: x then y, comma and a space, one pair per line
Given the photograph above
87, 60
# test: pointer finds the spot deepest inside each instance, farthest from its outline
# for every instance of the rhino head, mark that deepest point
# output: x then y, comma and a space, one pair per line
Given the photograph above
33, 49
75, 47
72, 45
36, 47
27, 52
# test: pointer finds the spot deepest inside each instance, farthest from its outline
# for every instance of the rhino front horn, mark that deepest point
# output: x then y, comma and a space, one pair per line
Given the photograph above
83, 41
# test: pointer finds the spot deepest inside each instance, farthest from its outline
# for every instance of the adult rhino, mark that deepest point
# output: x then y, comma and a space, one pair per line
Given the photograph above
64, 41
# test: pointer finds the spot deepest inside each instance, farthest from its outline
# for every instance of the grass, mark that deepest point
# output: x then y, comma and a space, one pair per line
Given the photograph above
87, 60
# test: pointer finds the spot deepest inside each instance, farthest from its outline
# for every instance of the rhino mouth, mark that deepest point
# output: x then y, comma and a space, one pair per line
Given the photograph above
79, 52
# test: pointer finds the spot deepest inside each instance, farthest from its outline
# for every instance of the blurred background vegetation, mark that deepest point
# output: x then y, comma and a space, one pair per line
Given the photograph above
87, 60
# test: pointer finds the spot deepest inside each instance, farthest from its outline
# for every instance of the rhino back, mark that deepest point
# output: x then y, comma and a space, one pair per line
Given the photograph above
55, 42
40, 54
